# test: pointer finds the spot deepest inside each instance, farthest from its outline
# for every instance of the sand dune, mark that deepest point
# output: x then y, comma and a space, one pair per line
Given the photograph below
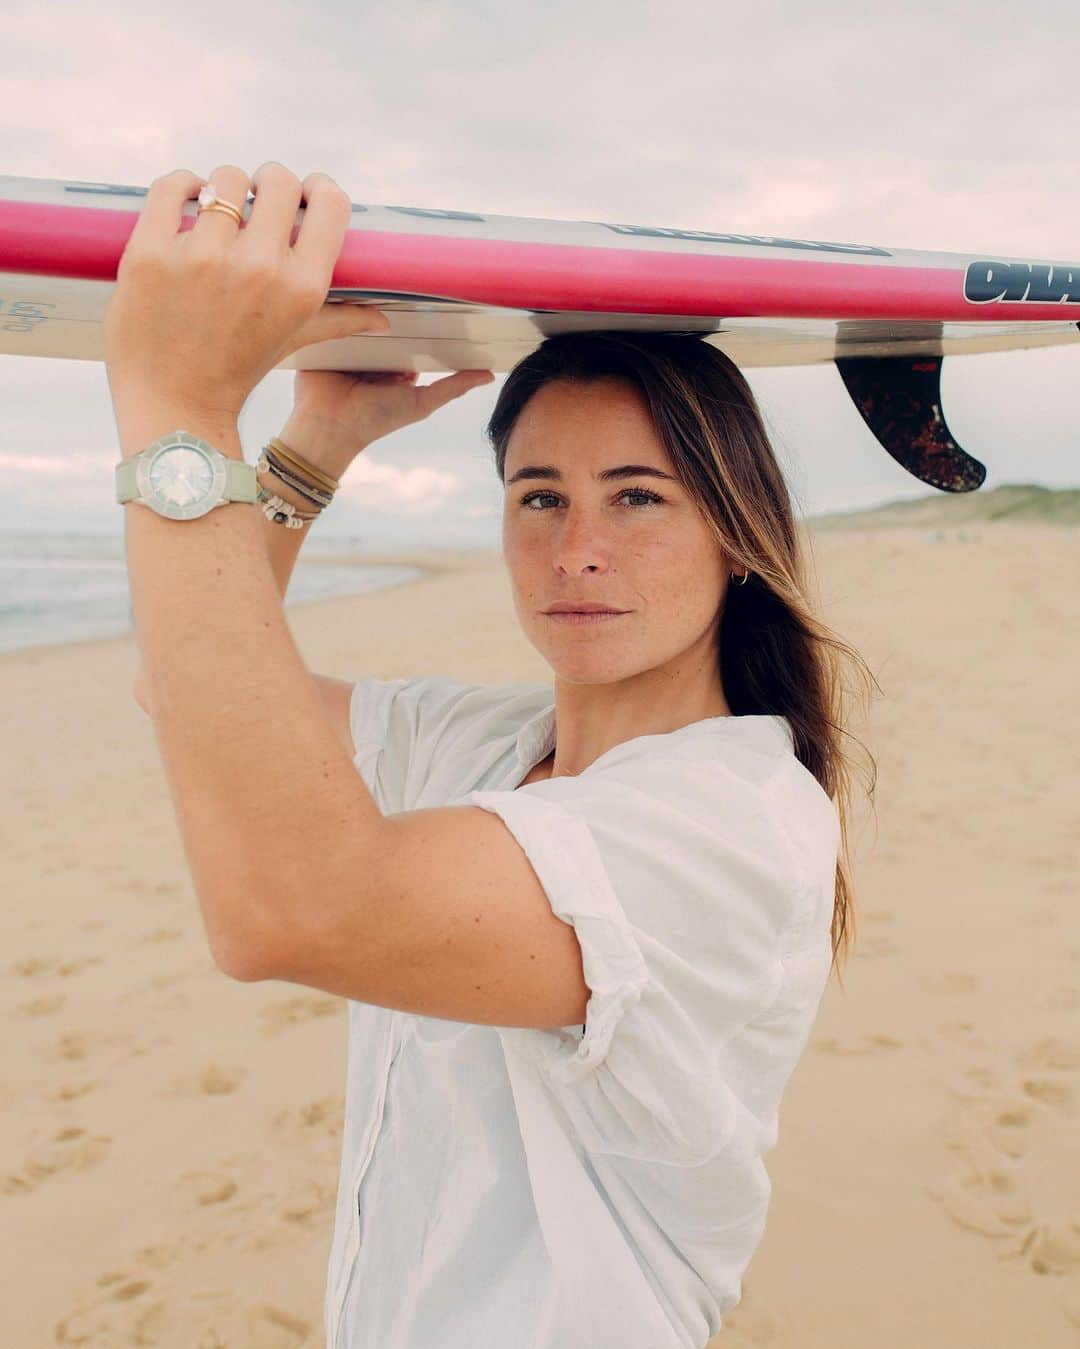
169, 1139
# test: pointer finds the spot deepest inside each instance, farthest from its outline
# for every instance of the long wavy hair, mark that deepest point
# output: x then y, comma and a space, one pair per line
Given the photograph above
775, 655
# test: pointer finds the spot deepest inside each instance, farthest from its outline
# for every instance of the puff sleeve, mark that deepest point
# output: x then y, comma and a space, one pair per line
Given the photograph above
682, 890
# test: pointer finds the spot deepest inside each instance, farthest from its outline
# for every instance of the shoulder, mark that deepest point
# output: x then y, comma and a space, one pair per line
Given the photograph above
725, 808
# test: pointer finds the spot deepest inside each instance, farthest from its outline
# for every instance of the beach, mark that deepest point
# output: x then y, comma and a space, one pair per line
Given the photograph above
169, 1138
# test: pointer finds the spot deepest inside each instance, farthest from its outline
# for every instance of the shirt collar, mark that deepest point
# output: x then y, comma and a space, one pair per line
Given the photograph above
536, 738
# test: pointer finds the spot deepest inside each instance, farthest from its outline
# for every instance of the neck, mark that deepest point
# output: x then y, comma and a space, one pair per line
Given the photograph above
593, 718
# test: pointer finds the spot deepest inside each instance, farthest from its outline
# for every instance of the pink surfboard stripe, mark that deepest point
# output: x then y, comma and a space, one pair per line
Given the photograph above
86, 243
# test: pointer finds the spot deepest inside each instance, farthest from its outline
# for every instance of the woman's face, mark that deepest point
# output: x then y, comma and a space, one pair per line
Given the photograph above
568, 535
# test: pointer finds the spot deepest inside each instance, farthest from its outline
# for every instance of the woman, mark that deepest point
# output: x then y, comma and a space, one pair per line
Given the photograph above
556, 1118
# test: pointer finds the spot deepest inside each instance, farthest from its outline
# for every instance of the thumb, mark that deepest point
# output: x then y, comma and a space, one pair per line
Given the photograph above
339, 320
436, 395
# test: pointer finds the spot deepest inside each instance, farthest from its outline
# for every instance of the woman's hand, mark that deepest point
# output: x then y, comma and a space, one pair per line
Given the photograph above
335, 416
200, 315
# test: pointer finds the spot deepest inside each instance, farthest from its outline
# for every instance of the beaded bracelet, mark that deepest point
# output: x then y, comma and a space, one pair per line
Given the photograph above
320, 491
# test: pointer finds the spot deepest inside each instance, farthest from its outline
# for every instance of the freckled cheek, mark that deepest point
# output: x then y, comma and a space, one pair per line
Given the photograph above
525, 551
677, 581
526, 557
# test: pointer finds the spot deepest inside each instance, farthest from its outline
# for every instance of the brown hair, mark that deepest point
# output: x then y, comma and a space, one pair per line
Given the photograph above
776, 656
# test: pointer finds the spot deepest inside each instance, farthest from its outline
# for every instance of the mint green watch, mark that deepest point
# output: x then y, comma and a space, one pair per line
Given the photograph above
182, 477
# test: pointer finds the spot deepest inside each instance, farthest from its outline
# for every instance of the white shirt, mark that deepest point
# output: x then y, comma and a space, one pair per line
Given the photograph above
598, 1187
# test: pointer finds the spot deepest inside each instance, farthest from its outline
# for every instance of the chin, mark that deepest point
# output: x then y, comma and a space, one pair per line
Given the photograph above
589, 668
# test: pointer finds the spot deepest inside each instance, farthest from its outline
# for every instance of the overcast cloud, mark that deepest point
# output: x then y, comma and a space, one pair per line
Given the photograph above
946, 126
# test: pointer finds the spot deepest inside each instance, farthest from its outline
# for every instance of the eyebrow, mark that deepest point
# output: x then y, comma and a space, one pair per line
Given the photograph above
605, 475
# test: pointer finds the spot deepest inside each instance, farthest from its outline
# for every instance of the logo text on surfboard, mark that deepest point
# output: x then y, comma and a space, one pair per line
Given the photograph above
764, 240
1037, 282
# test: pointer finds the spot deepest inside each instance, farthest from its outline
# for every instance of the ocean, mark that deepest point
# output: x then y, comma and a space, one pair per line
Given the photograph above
68, 587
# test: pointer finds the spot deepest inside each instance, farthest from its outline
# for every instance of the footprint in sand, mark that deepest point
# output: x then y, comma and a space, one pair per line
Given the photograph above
325, 1116
947, 1034
295, 1011
32, 965
71, 1091
36, 965
135, 1312
69, 1149
70, 967
41, 1006
75, 1046
309, 1203
1014, 1170
213, 1080
856, 1044
207, 1187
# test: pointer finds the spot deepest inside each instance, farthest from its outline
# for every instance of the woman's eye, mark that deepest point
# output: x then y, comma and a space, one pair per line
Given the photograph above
650, 497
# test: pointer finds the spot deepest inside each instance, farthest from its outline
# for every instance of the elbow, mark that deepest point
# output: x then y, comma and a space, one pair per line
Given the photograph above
242, 957
241, 970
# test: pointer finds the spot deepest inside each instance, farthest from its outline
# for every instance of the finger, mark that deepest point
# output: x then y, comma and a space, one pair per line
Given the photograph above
218, 228
322, 231
163, 210
273, 214
338, 320
443, 391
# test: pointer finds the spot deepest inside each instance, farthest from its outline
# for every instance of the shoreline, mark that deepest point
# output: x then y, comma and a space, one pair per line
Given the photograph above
436, 562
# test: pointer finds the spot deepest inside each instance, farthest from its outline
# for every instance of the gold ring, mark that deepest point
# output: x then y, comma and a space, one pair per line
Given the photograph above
210, 201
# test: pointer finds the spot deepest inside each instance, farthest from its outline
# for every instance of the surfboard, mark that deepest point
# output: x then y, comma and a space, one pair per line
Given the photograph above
470, 290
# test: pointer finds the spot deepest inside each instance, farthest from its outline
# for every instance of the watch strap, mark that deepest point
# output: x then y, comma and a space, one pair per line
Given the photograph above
126, 486
241, 483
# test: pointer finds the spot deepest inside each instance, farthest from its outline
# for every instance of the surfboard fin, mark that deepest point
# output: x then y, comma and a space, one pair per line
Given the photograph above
899, 398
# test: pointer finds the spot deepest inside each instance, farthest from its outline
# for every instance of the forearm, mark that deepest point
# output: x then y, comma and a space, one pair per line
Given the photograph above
283, 544
231, 701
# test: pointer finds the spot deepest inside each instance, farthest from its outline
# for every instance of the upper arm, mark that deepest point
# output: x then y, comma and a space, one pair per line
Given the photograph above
336, 697
473, 912
448, 920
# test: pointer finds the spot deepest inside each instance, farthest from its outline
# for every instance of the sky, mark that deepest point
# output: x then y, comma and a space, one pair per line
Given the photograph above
943, 126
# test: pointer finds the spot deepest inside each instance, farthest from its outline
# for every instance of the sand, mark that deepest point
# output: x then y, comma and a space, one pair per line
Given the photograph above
169, 1138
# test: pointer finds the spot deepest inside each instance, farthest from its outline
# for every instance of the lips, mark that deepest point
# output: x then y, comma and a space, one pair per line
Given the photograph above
597, 618
583, 608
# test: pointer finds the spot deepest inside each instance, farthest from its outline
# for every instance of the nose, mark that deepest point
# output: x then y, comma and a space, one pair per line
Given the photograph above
581, 545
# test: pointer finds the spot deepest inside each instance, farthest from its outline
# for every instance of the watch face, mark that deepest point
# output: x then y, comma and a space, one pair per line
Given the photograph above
181, 480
